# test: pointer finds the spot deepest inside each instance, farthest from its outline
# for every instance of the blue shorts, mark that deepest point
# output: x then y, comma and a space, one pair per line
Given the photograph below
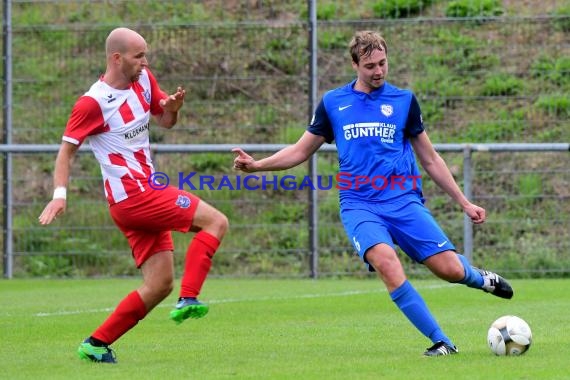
405, 222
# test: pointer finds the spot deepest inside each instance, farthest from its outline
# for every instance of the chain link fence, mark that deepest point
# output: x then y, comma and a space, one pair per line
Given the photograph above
495, 74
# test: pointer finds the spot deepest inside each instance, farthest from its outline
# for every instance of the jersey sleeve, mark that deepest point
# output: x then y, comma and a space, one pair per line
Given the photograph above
414, 124
86, 119
320, 124
157, 95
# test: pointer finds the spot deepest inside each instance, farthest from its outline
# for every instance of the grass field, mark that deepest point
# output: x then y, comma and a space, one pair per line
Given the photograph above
280, 329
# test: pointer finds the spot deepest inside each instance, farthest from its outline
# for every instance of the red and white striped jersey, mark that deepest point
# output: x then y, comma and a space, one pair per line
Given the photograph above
116, 124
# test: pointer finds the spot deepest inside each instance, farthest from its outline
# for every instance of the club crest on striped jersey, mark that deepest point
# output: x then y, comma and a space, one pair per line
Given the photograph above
387, 110
146, 95
183, 201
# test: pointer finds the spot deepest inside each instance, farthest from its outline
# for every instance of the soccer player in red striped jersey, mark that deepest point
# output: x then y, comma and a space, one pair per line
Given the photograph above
114, 116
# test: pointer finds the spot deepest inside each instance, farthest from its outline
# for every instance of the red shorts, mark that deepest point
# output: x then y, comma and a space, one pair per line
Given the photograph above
148, 219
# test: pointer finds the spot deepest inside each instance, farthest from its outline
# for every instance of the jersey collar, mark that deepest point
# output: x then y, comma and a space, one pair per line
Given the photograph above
373, 95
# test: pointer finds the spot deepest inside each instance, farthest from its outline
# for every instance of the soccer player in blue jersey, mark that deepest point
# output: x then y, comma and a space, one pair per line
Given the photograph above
377, 127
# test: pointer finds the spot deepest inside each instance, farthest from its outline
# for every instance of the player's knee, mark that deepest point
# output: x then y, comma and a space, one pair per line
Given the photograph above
384, 262
155, 291
222, 223
446, 266
455, 275
211, 220
218, 224
164, 288
451, 273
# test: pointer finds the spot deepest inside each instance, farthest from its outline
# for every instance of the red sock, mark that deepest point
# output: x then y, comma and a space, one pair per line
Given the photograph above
198, 263
127, 314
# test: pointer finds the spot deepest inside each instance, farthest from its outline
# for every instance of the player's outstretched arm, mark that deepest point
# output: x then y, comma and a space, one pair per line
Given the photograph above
63, 163
286, 158
437, 169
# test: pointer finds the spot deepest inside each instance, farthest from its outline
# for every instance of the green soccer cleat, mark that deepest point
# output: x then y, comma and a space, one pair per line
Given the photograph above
97, 354
188, 308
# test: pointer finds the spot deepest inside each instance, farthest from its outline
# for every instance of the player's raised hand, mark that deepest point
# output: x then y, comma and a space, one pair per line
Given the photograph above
52, 210
173, 102
243, 161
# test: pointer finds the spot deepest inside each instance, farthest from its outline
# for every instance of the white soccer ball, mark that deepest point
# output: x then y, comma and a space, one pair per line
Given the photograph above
509, 336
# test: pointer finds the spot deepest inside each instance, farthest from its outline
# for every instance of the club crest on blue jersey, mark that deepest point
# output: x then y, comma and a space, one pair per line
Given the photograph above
387, 109
183, 201
146, 95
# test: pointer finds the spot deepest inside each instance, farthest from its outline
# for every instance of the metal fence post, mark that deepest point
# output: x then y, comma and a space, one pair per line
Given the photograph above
313, 193
7, 204
467, 225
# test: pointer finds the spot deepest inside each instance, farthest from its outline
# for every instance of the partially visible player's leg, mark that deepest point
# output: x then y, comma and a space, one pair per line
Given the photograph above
152, 252
447, 266
210, 226
368, 231
490, 282
384, 260
158, 278
454, 267
420, 236
172, 209
157, 271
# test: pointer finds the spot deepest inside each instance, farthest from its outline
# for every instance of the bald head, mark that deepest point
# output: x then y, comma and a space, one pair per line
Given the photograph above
120, 40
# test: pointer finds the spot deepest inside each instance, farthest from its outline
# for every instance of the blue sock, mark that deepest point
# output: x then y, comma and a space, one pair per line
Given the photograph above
415, 309
472, 278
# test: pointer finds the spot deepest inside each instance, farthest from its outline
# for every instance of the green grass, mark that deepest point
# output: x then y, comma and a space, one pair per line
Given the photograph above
279, 329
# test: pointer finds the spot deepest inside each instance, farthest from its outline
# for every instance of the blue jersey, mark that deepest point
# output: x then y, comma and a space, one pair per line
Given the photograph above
372, 132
